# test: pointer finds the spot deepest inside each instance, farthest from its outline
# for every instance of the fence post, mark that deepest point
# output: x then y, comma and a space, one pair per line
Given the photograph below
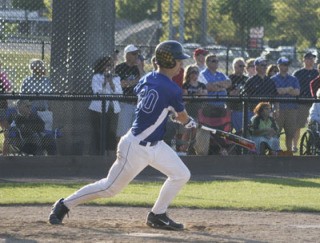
245, 118
42, 50
103, 127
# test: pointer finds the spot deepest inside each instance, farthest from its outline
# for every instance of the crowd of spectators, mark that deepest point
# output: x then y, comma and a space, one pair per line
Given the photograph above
254, 77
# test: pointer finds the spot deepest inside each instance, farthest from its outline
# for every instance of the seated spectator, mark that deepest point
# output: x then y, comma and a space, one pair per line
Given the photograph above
264, 129
314, 114
37, 83
104, 81
191, 86
30, 133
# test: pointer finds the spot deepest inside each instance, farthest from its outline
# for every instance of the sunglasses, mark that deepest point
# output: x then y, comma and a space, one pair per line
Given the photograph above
213, 61
250, 66
194, 72
262, 65
241, 66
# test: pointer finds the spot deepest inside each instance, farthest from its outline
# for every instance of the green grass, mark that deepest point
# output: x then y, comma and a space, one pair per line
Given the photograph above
293, 194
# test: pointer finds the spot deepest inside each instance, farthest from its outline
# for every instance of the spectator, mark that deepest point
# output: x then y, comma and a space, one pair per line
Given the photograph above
199, 55
250, 68
314, 112
191, 86
260, 85
304, 75
286, 113
178, 79
5, 87
33, 138
129, 72
104, 81
272, 69
238, 80
264, 129
217, 82
37, 83
315, 84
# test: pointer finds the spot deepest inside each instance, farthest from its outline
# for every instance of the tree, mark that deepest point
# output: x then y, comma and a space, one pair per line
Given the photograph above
137, 10
28, 5
298, 21
246, 14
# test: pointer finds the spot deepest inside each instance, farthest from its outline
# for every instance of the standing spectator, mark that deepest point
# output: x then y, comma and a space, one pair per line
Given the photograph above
129, 72
250, 68
37, 83
199, 55
315, 84
264, 129
238, 80
305, 75
104, 81
260, 85
286, 113
272, 69
191, 86
216, 82
5, 87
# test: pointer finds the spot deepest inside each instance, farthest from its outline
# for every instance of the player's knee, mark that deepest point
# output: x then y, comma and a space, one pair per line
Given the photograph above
110, 192
183, 176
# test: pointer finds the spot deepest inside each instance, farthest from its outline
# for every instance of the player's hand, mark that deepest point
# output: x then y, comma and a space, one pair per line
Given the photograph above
191, 123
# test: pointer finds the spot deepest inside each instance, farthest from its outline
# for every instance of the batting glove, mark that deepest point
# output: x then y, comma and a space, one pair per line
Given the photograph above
190, 124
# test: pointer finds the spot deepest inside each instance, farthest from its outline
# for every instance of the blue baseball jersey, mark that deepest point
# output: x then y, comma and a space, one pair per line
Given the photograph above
157, 96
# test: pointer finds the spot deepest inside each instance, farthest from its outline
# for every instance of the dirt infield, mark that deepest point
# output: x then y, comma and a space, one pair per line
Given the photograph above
126, 224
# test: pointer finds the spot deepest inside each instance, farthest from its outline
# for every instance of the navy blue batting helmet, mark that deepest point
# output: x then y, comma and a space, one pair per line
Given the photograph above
168, 52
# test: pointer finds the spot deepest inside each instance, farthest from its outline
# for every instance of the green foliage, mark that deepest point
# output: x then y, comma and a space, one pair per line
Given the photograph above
29, 5
137, 10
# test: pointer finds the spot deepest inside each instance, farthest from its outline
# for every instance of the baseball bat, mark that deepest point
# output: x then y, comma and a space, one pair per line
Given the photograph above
244, 142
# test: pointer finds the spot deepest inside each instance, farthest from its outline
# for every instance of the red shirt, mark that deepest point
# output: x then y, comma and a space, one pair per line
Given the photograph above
178, 79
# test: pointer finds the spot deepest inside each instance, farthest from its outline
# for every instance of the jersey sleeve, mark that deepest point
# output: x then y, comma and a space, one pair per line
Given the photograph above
176, 100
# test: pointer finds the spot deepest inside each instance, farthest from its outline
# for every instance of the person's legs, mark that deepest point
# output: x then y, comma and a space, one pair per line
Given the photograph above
168, 162
131, 160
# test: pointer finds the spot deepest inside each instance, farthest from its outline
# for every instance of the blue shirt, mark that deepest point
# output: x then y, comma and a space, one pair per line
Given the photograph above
285, 82
213, 78
157, 96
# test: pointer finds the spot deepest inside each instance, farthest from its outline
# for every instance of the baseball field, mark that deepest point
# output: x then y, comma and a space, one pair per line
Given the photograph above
265, 208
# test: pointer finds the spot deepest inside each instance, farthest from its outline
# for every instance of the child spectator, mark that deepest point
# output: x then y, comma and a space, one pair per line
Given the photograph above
264, 129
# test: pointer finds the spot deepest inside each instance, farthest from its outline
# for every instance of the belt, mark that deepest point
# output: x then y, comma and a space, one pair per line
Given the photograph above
145, 143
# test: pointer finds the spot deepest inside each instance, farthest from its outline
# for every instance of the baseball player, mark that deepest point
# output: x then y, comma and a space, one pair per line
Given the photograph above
142, 145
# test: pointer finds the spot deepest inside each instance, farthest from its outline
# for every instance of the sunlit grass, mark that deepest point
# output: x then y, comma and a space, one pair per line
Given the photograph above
293, 194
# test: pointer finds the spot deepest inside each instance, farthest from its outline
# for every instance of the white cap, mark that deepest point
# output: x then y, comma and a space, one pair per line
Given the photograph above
130, 48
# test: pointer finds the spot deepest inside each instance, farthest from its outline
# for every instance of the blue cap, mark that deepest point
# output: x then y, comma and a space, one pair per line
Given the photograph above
259, 60
283, 60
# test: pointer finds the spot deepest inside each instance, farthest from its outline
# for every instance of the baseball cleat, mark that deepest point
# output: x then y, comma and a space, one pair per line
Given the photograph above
59, 210
162, 221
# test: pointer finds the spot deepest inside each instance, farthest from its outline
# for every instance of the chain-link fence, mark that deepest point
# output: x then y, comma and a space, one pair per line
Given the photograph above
70, 36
